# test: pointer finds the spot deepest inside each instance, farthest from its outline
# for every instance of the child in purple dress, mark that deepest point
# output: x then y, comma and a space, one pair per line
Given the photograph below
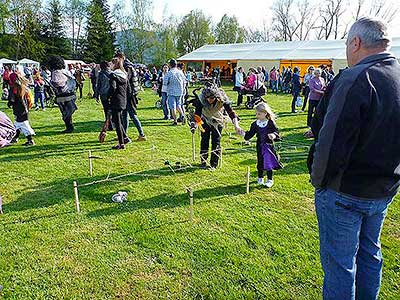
267, 132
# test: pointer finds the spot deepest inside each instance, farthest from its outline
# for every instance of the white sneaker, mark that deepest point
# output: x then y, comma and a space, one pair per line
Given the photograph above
269, 183
260, 181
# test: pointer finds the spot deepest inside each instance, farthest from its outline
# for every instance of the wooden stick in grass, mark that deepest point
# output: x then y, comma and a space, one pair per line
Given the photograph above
90, 163
248, 180
220, 158
193, 148
78, 208
190, 192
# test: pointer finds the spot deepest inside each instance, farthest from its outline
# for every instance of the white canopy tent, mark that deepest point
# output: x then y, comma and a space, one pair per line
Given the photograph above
5, 61
30, 62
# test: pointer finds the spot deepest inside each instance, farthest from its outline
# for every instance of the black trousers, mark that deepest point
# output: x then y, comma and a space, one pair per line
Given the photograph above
80, 87
215, 134
240, 95
260, 166
295, 95
312, 105
119, 128
306, 93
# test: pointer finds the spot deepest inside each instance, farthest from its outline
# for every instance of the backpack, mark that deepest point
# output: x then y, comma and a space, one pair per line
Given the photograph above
68, 88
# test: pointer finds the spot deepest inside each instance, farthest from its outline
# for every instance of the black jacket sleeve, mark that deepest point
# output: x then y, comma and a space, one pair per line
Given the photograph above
252, 132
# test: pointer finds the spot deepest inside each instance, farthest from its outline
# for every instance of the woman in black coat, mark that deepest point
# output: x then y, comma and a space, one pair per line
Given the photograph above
118, 90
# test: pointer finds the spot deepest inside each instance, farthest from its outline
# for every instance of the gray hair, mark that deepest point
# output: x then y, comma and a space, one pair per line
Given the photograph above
372, 32
318, 71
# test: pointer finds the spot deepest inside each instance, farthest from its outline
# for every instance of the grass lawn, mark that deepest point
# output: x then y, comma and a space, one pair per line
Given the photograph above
262, 245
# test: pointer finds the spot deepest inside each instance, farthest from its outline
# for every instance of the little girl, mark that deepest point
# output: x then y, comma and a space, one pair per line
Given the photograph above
267, 132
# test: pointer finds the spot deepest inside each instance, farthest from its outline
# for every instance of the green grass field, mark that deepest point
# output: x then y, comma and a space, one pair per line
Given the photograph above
262, 245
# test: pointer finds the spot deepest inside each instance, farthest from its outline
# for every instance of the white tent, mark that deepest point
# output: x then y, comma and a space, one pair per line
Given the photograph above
26, 61
5, 61
278, 53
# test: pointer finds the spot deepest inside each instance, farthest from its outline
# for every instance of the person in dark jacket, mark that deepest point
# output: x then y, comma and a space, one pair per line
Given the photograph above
118, 95
355, 162
296, 87
103, 88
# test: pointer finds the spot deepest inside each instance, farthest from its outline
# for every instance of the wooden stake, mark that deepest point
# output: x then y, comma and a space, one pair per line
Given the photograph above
78, 208
248, 181
193, 148
220, 158
190, 192
90, 163
1, 205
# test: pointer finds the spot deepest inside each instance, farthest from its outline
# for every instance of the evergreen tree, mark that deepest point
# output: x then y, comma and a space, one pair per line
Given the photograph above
100, 37
54, 34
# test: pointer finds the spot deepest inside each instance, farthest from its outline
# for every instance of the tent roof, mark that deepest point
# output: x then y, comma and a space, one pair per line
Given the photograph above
28, 61
74, 62
294, 50
7, 61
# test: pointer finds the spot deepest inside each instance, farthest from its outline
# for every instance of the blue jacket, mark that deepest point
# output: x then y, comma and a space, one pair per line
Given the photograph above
357, 145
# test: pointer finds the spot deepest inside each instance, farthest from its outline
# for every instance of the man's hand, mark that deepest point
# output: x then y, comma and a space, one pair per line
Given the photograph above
272, 136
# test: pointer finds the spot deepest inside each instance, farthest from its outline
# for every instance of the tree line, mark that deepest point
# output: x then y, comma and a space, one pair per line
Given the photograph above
91, 30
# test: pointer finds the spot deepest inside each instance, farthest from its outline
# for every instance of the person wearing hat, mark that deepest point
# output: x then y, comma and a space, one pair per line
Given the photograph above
209, 116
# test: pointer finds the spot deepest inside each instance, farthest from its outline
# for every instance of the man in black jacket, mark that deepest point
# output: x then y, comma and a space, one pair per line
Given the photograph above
355, 163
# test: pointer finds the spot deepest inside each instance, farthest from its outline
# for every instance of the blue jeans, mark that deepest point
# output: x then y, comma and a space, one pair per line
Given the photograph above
130, 111
39, 96
164, 103
274, 86
350, 249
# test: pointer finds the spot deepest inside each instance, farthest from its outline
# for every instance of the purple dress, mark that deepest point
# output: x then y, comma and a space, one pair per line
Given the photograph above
270, 159
7, 130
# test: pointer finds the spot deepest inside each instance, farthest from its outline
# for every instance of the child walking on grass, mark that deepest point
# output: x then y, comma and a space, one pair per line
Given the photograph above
20, 100
266, 131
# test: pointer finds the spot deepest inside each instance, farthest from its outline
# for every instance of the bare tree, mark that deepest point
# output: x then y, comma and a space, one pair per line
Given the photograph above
257, 35
332, 13
283, 20
293, 20
75, 11
306, 19
386, 10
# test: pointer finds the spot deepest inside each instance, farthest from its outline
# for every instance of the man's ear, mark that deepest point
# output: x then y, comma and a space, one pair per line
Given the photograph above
356, 43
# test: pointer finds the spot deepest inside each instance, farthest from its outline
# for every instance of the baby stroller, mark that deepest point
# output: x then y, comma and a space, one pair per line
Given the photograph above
49, 94
254, 97
4, 96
